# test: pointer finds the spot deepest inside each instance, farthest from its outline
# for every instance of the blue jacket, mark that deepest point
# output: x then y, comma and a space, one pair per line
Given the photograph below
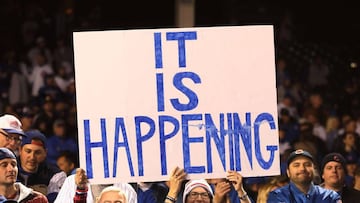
291, 194
155, 194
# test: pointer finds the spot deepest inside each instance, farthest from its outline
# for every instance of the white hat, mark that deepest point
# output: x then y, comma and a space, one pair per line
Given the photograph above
11, 124
196, 183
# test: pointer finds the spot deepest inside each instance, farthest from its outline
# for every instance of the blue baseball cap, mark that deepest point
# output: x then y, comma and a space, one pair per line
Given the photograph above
6, 153
333, 157
34, 137
299, 152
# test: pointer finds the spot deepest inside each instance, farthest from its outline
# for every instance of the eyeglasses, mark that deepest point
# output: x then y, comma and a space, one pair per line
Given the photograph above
9, 138
203, 195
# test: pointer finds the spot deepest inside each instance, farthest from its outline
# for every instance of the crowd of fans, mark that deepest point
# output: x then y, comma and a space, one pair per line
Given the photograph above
318, 106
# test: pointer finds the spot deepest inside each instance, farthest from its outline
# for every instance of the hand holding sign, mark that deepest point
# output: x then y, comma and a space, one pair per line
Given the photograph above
176, 178
222, 188
81, 179
237, 181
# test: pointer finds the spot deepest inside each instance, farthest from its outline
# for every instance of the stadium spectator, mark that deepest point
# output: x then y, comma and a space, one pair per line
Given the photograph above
34, 172
11, 132
58, 142
67, 162
10, 188
77, 189
301, 188
112, 194
333, 169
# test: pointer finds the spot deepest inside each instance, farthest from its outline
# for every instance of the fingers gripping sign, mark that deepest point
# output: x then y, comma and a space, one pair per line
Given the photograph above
81, 179
176, 178
237, 181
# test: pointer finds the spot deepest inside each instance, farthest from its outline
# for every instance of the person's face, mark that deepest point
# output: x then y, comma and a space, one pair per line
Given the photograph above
31, 156
112, 197
65, 165
26, 122
351, 167
349, 139
287, 101
333, 174
48, 106
14, 141
301, 170
59, 130
8, 171
198, 195
282, 134
351, 126
316, 100
4, 142
11, 141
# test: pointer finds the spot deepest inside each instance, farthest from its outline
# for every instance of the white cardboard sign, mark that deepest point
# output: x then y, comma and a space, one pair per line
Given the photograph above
203, 99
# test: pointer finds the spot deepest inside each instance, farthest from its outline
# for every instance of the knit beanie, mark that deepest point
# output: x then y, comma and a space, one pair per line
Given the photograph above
196, 183
333, 157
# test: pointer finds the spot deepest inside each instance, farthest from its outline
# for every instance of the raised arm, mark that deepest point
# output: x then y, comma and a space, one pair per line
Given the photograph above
177, 176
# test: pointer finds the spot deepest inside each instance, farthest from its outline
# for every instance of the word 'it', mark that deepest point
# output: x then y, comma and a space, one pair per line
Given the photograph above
181, 38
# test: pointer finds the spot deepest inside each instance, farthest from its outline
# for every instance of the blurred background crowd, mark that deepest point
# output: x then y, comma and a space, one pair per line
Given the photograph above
317, 56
